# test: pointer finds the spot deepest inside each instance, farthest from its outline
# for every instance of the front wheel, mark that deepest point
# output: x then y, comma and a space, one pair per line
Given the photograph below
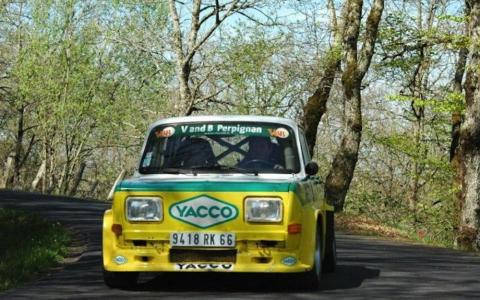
330, 260
311, 279
121, 280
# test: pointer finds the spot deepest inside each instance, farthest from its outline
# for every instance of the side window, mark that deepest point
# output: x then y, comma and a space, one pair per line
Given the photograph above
303, 143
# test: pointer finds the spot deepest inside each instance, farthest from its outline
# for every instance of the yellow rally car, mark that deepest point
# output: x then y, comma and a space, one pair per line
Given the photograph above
220, 194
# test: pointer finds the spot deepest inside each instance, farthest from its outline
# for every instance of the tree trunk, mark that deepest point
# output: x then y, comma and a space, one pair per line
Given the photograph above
40, 175
418, 87
316, 105
8, 171
45, 159
18, 147
93, 189
199, 32
78, 179
457, 119
343, 166
63, 181
457, 116
469, 231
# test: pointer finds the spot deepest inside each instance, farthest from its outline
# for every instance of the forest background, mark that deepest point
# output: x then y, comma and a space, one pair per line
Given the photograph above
386, 90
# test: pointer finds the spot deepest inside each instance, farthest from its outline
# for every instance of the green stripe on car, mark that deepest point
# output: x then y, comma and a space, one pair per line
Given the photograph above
206, 186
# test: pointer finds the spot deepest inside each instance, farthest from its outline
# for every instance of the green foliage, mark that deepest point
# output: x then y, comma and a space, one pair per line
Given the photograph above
29, 245
257, 72
453, 18
434, 223
405, 41
453, 102
385, 193
83, 94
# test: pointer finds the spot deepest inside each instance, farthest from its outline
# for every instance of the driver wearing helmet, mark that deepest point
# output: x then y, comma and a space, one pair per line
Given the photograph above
261, 154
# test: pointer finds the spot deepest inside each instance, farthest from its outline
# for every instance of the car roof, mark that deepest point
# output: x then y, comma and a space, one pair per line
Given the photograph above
228, 118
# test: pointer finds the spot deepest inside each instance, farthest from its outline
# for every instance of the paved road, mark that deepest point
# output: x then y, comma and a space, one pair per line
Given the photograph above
367, 268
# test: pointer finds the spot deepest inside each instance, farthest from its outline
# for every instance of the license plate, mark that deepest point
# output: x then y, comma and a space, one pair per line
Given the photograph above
202, 239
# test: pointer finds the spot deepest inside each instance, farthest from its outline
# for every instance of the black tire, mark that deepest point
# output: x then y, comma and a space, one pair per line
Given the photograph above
330, 260
120, 280
311, 279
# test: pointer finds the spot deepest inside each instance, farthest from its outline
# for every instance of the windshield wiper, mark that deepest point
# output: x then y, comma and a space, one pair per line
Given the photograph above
167, 171
193, 170
226, 168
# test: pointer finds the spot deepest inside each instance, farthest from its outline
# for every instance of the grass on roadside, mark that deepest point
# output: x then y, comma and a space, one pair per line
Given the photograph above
361, 225
29, 245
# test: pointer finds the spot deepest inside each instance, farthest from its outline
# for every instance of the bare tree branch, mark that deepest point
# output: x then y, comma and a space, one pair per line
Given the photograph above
177, 32
231, 9
195, 24
371, 32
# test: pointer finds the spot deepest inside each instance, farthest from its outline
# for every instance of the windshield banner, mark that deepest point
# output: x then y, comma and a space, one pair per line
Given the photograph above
221, 129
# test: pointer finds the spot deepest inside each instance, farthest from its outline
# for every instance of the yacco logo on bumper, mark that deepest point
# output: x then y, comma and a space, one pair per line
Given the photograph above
209, 266
203, 211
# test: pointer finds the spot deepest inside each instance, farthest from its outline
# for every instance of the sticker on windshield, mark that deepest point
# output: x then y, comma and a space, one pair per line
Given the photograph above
165, 132
222, 129
279, 133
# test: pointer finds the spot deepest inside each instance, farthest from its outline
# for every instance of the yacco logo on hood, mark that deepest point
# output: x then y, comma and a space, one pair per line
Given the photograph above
203, 211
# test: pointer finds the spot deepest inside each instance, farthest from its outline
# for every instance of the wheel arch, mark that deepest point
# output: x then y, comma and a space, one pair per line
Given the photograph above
321, 224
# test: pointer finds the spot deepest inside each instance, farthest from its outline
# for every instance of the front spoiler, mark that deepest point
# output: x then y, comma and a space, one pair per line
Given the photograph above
151, 260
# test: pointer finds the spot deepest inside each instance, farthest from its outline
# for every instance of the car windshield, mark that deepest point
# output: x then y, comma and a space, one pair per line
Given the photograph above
220, 147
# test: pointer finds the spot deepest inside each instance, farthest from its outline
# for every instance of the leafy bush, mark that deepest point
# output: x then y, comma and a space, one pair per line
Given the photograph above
28, 245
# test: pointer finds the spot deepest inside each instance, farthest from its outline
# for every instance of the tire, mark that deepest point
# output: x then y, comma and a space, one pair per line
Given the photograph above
120, 280
330, 260
311, 279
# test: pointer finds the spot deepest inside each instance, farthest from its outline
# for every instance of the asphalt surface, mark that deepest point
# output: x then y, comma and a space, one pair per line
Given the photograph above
367, 267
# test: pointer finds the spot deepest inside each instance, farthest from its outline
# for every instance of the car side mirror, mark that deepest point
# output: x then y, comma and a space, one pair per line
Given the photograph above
311, 168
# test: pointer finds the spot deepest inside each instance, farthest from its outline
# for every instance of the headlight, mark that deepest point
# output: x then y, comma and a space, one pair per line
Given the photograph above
263, 210
144, 209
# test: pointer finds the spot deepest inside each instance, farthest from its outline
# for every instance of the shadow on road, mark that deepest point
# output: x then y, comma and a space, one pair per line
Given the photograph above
346, 277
